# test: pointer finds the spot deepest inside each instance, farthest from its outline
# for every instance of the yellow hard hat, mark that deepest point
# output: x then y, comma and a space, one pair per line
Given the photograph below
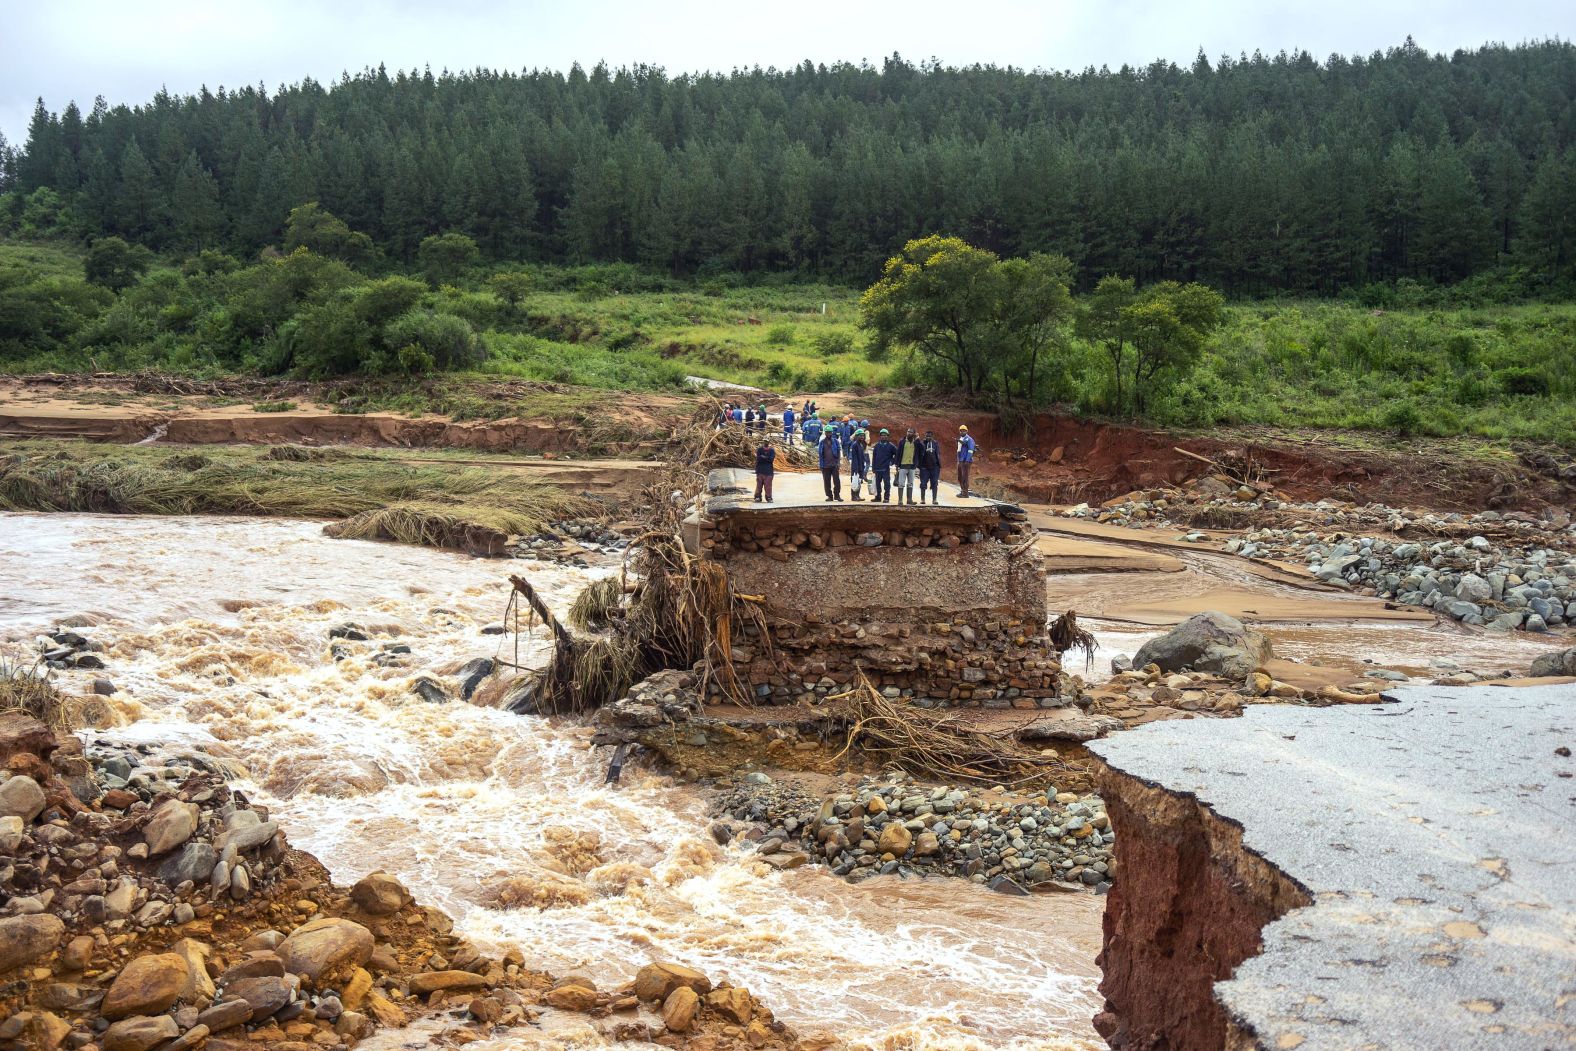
963, 428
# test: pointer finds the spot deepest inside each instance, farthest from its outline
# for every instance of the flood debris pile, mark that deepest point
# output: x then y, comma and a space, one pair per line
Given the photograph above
892, 824
939, 605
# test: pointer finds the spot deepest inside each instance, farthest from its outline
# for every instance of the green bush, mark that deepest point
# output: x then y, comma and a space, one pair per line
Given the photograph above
421, 340
780, 335
1524, 382
1402, 417
831, 344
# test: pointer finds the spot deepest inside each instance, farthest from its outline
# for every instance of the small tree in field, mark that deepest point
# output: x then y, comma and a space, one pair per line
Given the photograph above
114, 264
315, 228
939, 296
511, 286
1103, 319
444, 257
1169, 326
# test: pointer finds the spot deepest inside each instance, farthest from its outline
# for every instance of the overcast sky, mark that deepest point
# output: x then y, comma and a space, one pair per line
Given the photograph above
76, 49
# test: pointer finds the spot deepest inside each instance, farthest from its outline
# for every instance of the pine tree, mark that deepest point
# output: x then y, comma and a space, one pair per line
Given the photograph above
140, 210
199, 221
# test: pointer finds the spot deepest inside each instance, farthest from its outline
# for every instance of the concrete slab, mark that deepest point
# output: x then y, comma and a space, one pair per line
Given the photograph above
734, 489
799, 499
1437, 836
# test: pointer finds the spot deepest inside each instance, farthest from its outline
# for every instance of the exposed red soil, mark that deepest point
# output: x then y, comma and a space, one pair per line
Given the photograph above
1189, 906
1069, 461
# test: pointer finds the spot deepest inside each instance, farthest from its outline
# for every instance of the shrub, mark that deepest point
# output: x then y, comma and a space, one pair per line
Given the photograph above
422, 340
780, 335
831, 344
1524, 382
114, 264
1402, 417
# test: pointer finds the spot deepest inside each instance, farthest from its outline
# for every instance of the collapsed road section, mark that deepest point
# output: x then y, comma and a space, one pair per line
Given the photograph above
1391, 876
943, 605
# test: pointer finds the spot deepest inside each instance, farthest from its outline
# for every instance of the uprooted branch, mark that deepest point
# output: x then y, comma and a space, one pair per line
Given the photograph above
934, 743
668, 609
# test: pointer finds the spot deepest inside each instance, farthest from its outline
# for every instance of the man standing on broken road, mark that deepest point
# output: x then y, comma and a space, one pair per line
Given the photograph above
831, 465
858, 462
930, 467
907, 464
882, 455
966, 449
764, 470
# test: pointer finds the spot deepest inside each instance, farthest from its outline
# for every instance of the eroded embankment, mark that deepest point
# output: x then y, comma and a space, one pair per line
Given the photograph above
1065, 460
1188, 909
1388, 876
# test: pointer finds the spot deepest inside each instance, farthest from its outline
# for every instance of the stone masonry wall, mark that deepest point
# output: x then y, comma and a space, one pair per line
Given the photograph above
947, 613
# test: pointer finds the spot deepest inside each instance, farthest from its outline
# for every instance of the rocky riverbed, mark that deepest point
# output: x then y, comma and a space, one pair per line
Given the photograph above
893, 825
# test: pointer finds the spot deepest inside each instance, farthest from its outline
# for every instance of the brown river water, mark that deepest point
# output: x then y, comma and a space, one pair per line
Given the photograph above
217, 635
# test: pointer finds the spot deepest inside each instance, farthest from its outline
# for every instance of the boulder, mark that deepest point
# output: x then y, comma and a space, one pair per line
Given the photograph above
24, 939
146, 986
259, 965
572, 997
1068, 724
895, 840
1207, 642
732, 1003
436, 981
656, 981
227, 1015
45, 1031
20, 796
199, 987
193, 1038
194, 861
170, 826
12, 829
1559, 662
385, 1012
326, 947
140, 1034
265, 995
678, 1010
248, 837
78, 953
380, 894
1474, 588
20, 732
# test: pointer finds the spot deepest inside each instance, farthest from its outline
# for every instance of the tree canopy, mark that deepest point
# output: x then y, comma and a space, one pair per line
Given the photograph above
1254, 174
980, 316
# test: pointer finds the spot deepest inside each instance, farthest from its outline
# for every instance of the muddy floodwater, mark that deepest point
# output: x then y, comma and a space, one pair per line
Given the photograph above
217, 636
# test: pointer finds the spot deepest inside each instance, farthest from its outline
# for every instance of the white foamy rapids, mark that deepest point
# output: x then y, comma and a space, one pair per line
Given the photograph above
218, 639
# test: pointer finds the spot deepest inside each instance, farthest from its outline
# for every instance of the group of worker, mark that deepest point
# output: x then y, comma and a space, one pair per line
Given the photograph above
752, 419
912, 458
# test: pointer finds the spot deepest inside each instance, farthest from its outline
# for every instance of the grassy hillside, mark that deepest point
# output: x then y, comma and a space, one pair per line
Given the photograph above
1502, 372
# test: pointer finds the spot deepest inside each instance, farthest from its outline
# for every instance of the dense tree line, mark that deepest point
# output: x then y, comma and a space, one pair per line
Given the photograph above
1252, 174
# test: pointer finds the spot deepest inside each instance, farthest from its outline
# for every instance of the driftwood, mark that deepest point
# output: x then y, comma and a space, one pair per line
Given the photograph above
935, 743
